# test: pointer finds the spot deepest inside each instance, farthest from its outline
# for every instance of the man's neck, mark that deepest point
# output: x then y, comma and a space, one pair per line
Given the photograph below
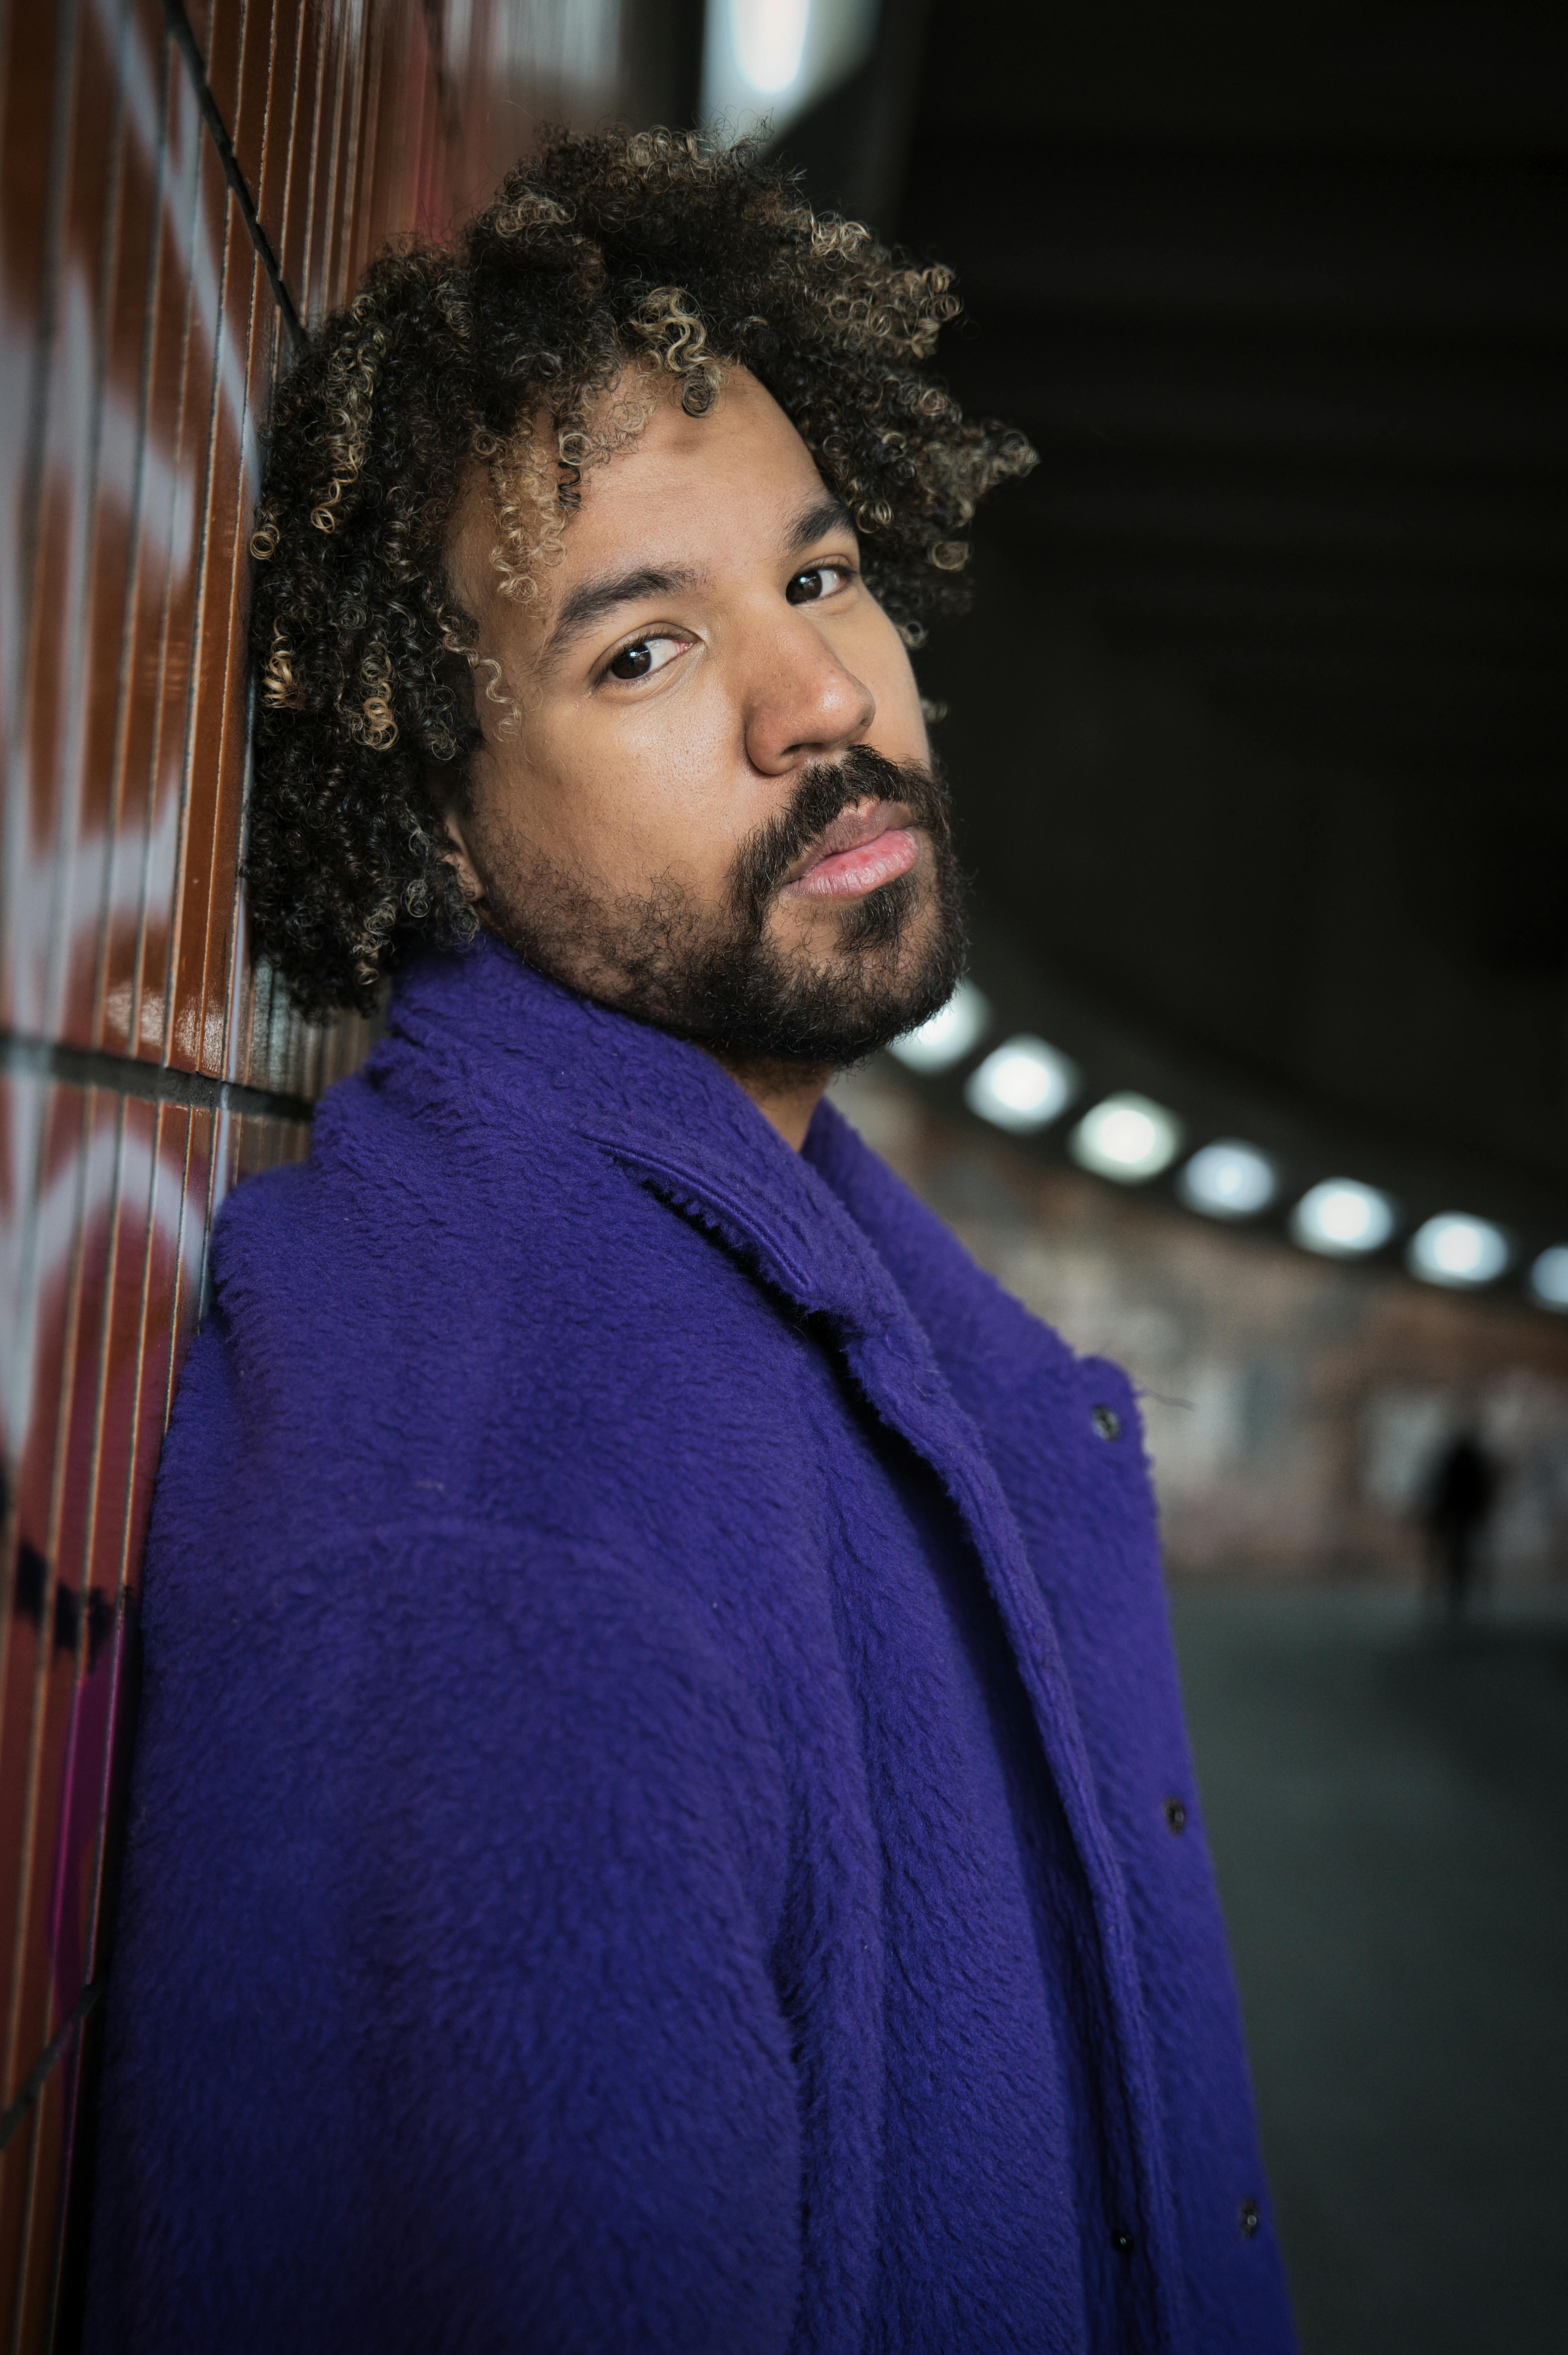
786, 1094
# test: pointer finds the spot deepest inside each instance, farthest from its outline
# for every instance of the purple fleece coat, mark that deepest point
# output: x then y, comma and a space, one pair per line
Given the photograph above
650, 1826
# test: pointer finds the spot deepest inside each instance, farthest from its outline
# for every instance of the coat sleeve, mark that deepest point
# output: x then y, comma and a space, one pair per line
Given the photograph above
440, 2015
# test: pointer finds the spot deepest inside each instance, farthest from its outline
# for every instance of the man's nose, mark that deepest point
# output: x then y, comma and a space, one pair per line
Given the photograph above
803, 704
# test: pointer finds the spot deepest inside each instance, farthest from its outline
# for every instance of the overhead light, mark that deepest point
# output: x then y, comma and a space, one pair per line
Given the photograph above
1457, 1250
948, 1035
769, 39
1126, 1137
1228, 1180
764, 62
1342, 1218
1549, 1277
1022, 1085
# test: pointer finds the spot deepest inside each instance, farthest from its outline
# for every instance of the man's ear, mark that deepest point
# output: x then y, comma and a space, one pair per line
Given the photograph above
458, 859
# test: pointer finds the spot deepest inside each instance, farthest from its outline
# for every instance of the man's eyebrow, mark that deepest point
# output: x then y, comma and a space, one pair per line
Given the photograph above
815, 522
595, 599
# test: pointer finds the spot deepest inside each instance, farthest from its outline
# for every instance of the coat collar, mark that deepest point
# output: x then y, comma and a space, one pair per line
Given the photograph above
532, 1053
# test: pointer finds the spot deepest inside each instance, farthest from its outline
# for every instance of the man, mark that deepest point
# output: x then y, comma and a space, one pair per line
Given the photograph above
662, 1817
1461, 1492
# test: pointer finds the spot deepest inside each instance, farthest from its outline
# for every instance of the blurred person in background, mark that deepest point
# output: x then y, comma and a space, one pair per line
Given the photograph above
1461, 1494
661, 1815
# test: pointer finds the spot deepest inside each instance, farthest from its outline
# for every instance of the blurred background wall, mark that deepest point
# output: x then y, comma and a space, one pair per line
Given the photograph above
1262, 1081
1295, 1407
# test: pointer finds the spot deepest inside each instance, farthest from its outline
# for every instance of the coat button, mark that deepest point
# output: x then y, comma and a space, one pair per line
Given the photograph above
1107, 1421
1250, 2220
1122, 2244
1175, 1815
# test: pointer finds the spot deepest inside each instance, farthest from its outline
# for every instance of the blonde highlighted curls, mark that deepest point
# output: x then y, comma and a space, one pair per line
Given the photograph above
534, 488
524, 487
351, 404
611, 271
278, 673
377, 728
675, 337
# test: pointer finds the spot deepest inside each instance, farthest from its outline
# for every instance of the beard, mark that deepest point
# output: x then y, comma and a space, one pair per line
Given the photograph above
719, 976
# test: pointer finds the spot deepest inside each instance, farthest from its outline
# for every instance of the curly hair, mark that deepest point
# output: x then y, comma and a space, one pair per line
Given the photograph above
605, 264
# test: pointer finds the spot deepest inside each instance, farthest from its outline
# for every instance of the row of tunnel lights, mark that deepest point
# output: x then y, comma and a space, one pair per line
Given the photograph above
1025, 1084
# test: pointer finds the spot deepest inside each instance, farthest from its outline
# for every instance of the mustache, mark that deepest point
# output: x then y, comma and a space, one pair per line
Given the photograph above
825, 790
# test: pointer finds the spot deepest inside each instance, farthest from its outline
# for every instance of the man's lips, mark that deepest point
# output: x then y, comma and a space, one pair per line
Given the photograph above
863, 848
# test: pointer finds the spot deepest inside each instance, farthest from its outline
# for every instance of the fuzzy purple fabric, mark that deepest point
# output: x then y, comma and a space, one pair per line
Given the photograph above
649, 1820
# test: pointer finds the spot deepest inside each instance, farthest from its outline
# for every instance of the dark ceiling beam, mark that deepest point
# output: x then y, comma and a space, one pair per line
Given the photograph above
1366, 623
1309, 242
1162, 388
1473, 79
1375, 515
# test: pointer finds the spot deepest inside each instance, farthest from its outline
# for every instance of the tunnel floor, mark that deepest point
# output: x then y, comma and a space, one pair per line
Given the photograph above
1387, 1803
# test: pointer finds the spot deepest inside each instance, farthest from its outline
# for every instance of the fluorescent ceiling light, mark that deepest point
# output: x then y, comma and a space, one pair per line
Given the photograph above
1457, 1250
764, 62
1549, 1277
769, 37
1126, 1137
1022, 1085
948, 1035
1228, 1180
1342, 1218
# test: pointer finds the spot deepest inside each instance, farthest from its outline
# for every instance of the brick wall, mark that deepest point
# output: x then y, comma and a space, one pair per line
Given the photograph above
179, 190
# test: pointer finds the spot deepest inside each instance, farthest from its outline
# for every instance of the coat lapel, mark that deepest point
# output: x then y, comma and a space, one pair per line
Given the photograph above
785, 1224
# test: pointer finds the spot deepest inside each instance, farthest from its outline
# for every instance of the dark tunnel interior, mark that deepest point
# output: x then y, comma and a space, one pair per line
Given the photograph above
1261, 732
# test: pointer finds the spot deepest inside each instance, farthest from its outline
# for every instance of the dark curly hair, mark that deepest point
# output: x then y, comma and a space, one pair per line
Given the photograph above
608, 262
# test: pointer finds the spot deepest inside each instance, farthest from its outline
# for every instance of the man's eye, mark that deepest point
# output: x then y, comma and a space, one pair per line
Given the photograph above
816, 582
642, 657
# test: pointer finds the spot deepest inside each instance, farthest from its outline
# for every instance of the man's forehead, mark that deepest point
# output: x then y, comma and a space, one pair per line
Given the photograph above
678, 495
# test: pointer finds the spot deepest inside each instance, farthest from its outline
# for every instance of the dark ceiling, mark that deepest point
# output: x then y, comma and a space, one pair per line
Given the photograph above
1261, 729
